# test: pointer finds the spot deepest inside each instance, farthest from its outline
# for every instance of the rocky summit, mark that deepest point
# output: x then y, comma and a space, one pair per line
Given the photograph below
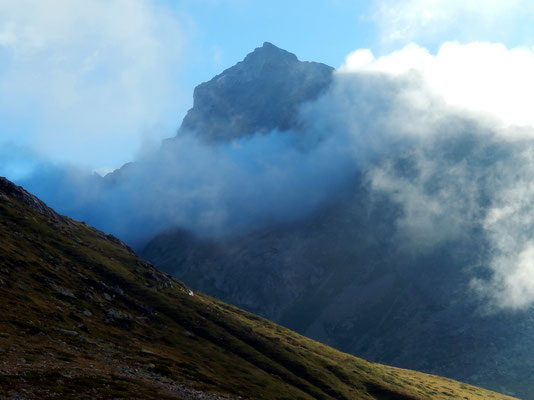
257, 95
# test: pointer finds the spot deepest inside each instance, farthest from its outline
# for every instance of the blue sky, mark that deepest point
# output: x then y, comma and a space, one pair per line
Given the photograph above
94, 82
224, 31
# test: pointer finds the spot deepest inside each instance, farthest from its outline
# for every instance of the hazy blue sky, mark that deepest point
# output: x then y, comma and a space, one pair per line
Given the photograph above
93, 82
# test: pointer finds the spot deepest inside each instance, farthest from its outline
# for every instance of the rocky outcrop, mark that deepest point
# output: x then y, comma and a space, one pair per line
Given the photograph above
9, 189
257, 95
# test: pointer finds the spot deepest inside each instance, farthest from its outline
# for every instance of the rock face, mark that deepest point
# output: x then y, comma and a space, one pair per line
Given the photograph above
257, 95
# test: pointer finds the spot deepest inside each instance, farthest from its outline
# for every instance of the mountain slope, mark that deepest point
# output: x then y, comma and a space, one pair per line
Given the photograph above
339, 277
84, 317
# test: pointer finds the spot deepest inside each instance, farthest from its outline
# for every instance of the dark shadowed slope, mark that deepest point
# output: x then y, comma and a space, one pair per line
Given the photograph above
83, 317
339, 277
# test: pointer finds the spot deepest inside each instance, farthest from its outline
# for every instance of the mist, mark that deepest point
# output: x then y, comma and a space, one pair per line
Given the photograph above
461, 168
457, 171
210, 190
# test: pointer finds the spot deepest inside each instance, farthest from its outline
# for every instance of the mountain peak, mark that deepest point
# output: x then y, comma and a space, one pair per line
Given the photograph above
270, 45
260, 94
272, 53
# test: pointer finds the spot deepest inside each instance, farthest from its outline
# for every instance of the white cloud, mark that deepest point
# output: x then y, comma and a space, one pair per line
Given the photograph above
482, 78
434, 21
509, 224
465, 116
85, 76
429, 217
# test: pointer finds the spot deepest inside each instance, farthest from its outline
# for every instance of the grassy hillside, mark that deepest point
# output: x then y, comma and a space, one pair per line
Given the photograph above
84, 318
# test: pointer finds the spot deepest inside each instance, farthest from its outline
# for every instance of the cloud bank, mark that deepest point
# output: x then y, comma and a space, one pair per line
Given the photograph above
480, 78
470, 143
210, 190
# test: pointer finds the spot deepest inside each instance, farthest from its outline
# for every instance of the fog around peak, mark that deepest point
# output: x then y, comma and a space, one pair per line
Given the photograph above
459, 168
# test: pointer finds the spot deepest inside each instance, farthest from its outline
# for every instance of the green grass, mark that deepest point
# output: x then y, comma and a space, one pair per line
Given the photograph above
53, 272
